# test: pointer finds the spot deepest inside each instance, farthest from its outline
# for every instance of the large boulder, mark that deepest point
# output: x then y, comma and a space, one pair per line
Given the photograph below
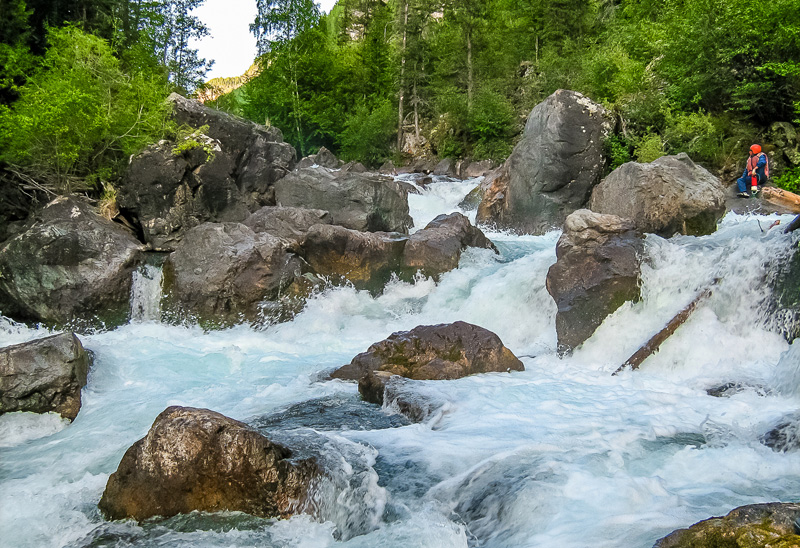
369, 259
784, 304
171, 187
365, 259
434, 352
70, 266
597, 269
360, 201
196, 459
288, 223
261, 156
221, 273
552, 170
44, 375
323, 157
437, 248
756, 525
668, 196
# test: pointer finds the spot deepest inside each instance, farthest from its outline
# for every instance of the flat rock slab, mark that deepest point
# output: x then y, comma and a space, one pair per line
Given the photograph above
44, 375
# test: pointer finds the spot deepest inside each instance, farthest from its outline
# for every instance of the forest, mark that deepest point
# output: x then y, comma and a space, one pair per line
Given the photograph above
83, 82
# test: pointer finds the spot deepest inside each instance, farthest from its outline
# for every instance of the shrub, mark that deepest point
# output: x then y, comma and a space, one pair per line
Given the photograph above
368, 134
789, 180
649, 147
618, 151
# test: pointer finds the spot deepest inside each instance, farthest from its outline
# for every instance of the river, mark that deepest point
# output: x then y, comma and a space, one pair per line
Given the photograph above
563, 454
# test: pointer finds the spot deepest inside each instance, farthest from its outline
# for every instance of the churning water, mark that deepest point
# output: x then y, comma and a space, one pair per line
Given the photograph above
563, 454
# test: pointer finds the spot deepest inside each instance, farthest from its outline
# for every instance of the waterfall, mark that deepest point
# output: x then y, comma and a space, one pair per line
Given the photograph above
146, 294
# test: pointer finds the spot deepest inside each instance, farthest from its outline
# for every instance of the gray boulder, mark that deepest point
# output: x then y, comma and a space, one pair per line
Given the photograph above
476, 169
221, 273
196, 459
323, 157
668, 196
445, 167
360, 201
437, 248
434, 352
288, 223
69, 266
44, 375
596, 271
769, 524
226, 175
552, 170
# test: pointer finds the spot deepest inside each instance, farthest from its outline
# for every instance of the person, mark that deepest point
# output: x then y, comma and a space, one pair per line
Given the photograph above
755, 172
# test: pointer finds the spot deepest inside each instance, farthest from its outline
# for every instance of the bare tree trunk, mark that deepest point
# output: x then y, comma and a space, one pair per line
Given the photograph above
402, 82
469, 69
415, 101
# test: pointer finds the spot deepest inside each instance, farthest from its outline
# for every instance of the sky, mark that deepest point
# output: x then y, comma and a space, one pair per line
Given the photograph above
231, 45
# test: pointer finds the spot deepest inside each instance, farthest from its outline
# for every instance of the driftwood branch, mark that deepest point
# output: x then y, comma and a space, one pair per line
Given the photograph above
652, 345
779, 196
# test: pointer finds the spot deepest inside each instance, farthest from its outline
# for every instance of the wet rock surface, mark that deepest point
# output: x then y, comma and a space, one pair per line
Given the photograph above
434, 352
671, 195
44, 375
246, 269
69, 265
196, 459
552, 170
359, 201
596, 271
757, 525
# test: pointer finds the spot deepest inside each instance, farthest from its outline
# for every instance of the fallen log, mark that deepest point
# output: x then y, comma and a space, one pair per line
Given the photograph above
779, 196
652, 345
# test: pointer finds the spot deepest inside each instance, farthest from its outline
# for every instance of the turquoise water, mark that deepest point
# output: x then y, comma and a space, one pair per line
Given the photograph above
563, 454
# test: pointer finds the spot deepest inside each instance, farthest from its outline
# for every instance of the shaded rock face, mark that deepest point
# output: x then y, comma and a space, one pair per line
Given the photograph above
15, 203
552, 170
409, 397
168, 194
437, 248
360, 201
288, 223
596, 271
770, 524
671, 195
196, 459
368, 259
784, 279
245, 269
44, 375
69, 265
365, 259
434, 352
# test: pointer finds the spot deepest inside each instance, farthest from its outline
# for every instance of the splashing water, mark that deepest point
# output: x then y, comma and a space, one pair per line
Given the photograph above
146, 294
562, 454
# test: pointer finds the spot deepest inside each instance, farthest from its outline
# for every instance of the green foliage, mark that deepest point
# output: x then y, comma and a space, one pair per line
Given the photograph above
695, 133
80, 112
189, 138
368, 134
789, 180
491, 124
618, 150
649, 147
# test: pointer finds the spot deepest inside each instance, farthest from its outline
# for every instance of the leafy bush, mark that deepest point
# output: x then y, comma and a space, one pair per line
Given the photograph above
789, 180
649, 147
491, 124
368, 134
697, 134
80, 112
618, 150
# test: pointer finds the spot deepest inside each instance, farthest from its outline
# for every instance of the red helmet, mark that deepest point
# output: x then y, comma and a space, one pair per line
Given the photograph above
755, 149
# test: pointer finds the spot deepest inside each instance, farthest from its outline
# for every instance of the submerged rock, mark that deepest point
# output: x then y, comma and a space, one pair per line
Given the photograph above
671, 195
359, 201
196, 459
596, 271
757, 525
434, 352
785, 436
44, 375
222, 272
552, 170
69, 266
